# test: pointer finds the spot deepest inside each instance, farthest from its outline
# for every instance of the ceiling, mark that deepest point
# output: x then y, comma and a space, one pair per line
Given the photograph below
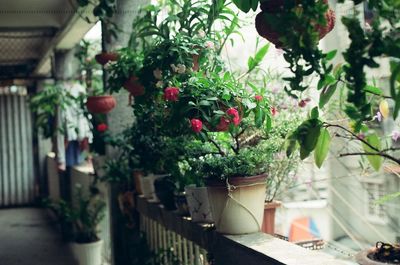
30, 30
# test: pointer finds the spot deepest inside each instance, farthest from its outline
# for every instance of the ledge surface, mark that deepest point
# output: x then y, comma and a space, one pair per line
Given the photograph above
251, 249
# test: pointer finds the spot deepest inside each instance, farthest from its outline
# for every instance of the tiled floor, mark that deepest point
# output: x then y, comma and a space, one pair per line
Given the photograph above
28, 237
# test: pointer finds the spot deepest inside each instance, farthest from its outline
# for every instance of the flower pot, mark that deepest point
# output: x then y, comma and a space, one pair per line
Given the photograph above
88, 253
237, 205
98, 162
147, 186
198, 203
272, 10
105, 57
137, 178
164, 190
366, 257
181, 203
100, 104
268, 225
134, 87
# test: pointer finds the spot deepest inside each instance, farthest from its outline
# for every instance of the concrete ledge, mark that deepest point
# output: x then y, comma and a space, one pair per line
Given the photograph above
251, 249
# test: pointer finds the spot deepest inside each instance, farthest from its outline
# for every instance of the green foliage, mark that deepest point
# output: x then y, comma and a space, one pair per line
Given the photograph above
89, 70
44, 105
322, 147
374, 145
85, 214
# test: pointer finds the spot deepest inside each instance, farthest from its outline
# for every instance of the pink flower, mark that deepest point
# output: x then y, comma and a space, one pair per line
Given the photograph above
197, 125
302, 103
102, 127
209, 44
378, 117
258, 97
274, 111
234, 114
395, 135
171, 94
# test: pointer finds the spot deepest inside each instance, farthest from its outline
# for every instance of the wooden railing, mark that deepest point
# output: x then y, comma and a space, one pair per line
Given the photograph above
193, 243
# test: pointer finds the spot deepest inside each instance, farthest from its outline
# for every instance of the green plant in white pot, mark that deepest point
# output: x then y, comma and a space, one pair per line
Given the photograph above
85, 215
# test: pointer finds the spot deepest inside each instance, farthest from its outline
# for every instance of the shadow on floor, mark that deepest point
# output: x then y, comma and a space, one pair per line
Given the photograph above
29, 237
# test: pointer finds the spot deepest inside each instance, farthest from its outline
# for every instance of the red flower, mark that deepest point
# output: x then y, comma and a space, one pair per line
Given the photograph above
171, 94
197, 125
274, 111
223, 124
258, 97
234, 114
302, 103
102, 127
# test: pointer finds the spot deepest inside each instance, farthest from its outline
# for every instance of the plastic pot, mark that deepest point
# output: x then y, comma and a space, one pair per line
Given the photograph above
198, 203
237, 205
88, 253
100, 104
164, 189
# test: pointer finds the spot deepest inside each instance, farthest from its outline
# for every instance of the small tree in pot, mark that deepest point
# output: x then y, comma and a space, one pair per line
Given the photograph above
85, 215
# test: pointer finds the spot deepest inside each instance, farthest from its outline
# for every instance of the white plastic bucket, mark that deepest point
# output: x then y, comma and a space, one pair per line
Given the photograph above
89, 253
238, 206
199, 206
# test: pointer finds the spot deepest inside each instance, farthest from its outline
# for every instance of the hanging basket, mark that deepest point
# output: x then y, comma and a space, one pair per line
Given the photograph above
100, 104
134, 87
105, 57
237, 205
273, 9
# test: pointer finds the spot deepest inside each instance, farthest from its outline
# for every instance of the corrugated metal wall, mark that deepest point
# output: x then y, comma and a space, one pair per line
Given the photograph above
16, 156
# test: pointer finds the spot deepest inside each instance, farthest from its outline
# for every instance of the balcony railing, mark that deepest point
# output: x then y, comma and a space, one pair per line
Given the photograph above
192, 243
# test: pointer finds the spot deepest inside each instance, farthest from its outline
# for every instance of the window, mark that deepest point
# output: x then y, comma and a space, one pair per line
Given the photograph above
376, 212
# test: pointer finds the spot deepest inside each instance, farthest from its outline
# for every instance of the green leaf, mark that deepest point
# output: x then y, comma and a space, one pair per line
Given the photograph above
314, 113
326, 94
322, 148
330, 55
261, 53
373, 90
374, 160
243, 5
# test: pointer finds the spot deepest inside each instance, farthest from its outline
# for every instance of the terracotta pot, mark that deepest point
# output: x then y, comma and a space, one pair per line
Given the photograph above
137, 178
237, 206
134, 87
105, 57
273, 8
268, 225
100, 104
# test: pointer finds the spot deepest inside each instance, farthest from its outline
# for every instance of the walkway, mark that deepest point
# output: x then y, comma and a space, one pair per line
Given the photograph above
28, 237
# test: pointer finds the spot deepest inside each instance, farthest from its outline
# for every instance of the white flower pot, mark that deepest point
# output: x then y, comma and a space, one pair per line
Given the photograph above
148, 186
99, 162
238, 206
89, 253
199, 205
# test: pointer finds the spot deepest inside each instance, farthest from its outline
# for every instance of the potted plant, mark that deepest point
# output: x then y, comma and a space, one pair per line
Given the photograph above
382, 253
98, 102
85, 214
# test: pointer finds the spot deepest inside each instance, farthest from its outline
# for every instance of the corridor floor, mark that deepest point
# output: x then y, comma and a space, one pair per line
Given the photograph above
28, 237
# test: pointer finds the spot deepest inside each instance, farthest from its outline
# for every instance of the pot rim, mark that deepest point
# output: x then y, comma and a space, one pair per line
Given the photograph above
98, 242
272, 205
238, 181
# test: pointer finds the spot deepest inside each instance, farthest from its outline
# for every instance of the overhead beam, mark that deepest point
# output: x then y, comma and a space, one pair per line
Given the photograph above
66, 38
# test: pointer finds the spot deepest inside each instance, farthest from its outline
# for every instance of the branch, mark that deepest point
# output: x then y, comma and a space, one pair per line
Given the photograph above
372, 154
222, 153
327, 125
